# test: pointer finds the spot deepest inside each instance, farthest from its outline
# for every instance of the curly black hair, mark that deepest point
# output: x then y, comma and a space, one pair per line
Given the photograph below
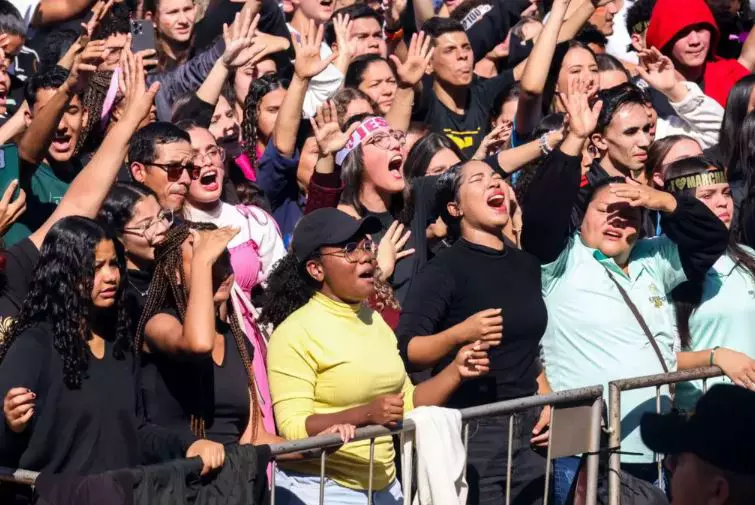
60, 294
289, 288
168, 261
638, 16
258, 88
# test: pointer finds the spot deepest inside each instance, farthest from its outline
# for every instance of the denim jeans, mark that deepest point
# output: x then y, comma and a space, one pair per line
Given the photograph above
565, 471
292, 488
487, 457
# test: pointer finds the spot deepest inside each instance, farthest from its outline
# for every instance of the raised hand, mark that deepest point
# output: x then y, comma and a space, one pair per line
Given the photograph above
342, 26
496, 138
330, 139
18, 408
418, 57
238, 38
658, 70
307, 47
137, 99
11, 210
209, 245
392, 10
582, 118
99, 10
264, 44
85, 64
389, 251
472, 360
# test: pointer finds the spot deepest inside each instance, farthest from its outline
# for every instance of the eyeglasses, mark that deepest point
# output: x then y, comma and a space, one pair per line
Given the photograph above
174, 170
148, 229
351, 251
213, 155
383, 139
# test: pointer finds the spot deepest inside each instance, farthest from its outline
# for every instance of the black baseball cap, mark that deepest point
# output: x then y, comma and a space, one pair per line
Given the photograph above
329, 226
718, 432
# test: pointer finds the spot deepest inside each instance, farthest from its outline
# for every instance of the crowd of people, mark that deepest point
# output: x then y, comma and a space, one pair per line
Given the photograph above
244, 222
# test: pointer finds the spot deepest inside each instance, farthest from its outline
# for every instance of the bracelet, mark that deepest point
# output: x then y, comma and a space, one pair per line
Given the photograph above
544, 146
394, 36
713, 355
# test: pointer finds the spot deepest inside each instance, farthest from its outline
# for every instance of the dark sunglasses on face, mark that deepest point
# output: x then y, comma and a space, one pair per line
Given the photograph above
174, 170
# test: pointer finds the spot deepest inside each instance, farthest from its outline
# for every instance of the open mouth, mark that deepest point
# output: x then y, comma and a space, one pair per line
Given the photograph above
612, 235
368, 274
394, 166
496, 200
327, 4
61, 143
209, 180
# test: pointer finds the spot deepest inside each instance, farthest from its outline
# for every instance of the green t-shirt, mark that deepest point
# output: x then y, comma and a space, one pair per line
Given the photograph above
44, 189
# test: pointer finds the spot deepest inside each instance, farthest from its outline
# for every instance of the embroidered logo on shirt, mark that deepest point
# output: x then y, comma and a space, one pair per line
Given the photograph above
657, 299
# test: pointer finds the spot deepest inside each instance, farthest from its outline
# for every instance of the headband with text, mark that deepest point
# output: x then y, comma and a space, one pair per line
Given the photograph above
693, 181
367, 127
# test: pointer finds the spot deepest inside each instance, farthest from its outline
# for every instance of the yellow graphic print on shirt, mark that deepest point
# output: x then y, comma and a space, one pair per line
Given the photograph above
6, 325
463, 140
656, 299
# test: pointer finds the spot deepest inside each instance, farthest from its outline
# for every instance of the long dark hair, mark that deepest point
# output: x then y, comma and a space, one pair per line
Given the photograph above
732, 124
687, 297
258, 88
60, 294
422, 152
352, 175
166, 292
549, 90
118, 208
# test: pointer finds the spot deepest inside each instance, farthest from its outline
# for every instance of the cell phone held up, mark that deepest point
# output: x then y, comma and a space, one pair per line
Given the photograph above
142, 35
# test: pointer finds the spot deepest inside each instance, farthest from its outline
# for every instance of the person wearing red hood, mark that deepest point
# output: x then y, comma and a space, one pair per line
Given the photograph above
688, 34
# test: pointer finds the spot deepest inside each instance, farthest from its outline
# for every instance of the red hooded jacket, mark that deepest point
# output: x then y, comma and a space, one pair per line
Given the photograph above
671, 17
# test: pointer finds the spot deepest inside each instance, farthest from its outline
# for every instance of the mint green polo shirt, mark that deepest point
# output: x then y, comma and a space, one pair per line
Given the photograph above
592, 336
726, 318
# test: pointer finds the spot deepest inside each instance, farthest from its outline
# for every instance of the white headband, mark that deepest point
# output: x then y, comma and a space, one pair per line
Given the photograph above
365, 129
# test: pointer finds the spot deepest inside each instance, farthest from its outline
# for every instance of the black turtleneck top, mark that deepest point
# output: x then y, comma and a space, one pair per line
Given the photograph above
463, 280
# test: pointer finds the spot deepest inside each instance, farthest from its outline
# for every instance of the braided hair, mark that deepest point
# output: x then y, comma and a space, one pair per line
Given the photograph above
60, 294
168, 261
93, 101
257, 90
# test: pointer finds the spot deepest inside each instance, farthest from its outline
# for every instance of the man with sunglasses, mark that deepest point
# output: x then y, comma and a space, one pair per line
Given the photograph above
160, 156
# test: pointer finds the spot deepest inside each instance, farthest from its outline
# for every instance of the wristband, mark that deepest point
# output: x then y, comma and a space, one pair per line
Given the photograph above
713, 354
544, 146
391, 36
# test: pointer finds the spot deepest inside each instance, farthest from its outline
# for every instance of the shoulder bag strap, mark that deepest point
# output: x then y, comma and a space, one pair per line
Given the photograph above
640, 320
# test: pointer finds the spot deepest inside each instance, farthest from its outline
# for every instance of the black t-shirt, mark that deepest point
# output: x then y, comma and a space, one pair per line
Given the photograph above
464, 280
83, 431
467, 130
176, 388
20, 261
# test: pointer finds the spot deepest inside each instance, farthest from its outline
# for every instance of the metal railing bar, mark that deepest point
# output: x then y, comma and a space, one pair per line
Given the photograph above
663, 379
509, 457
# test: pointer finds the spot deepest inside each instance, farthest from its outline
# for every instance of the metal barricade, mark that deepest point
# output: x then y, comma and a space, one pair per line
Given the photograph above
578, 431
615, 389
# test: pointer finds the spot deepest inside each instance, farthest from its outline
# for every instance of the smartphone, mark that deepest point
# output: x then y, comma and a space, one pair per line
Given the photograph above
142, 35
9, 168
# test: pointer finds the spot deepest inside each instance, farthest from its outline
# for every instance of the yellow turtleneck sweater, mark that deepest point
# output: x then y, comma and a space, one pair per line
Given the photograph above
328, 357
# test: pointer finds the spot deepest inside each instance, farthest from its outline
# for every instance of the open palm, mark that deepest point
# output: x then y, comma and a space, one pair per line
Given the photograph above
307, 47
418, 58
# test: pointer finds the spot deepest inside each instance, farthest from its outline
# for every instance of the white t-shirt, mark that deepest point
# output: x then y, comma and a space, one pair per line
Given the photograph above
619, 41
